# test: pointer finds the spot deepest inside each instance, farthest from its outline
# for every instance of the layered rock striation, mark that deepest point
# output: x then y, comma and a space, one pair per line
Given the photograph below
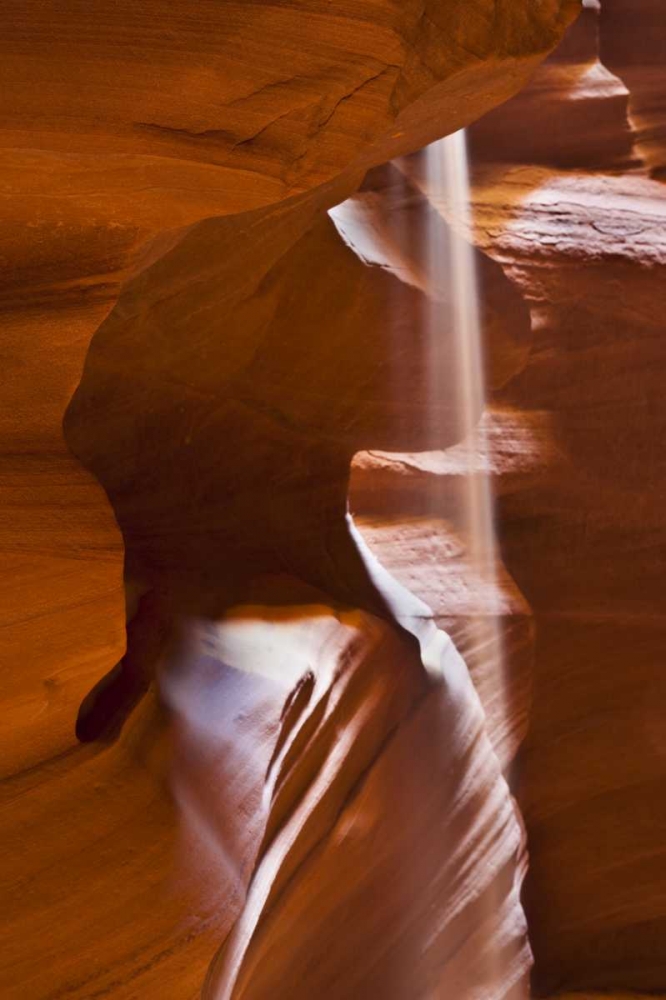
579, 473
165, 174
136, 141
120, 128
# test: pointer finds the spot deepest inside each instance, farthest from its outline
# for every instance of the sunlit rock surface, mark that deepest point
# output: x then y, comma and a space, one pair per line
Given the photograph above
323, 844
581, 485
386, 807
197, 528
425, 546
122, 126
585, 545
309, 718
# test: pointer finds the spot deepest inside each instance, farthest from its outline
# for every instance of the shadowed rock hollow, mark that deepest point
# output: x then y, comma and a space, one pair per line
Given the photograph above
304, 357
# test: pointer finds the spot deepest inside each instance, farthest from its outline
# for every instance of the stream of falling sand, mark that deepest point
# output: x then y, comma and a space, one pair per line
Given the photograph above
451, 262
451, 266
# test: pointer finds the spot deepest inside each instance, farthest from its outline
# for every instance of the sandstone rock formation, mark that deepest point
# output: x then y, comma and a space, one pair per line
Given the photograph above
633, 45
299, 388
376, 763
192, 358
122, 128
578, 468
122, 125
215, 381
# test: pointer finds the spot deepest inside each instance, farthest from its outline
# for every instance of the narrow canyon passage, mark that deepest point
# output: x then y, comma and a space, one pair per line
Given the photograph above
200, 534
332, 497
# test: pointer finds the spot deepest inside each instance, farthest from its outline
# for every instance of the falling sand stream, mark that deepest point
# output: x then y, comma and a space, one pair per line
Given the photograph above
451, 264
451, 267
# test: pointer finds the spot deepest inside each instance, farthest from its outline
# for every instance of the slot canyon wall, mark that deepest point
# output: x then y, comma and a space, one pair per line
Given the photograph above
196, 352
584, 539
568, 196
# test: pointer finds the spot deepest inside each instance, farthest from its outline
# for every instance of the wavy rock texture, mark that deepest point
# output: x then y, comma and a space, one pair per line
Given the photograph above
118, 134
574, 113
121, 128
580, 480
197, 529
192, 358
633, 45
352, 868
